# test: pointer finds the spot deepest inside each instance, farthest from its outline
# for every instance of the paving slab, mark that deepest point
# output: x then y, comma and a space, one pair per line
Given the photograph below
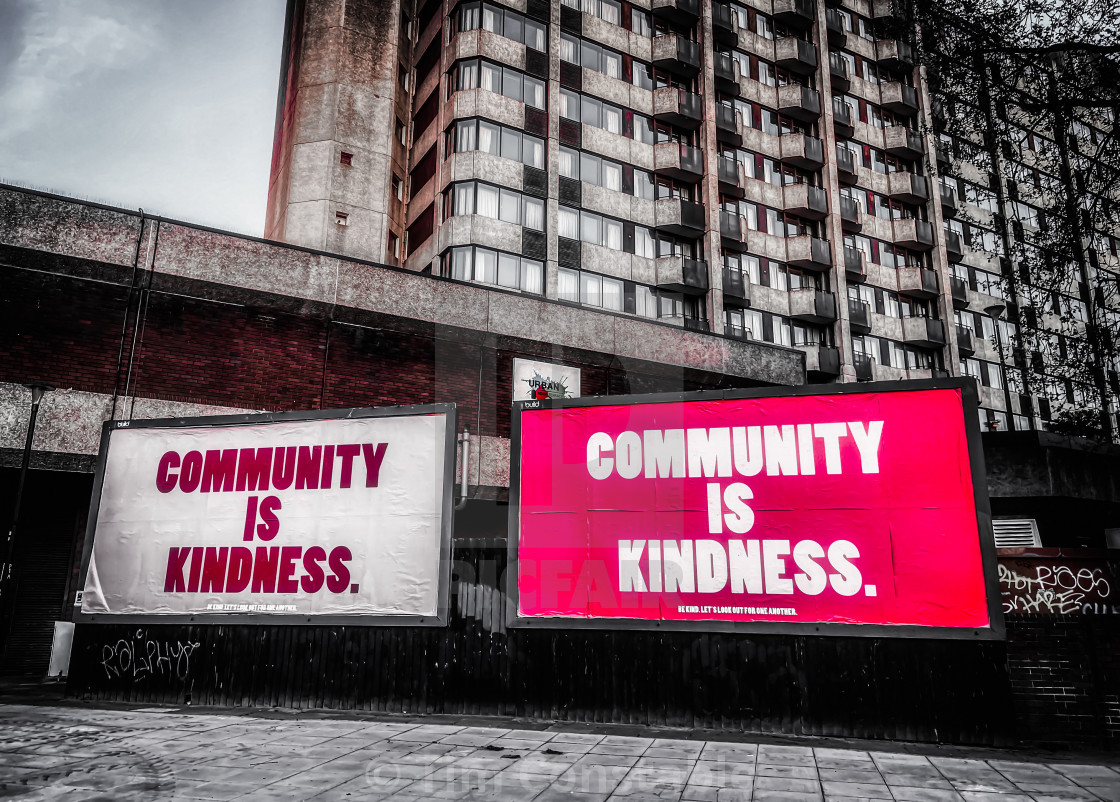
66, 752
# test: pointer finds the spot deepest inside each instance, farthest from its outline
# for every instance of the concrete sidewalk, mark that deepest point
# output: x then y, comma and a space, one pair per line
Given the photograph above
66, 752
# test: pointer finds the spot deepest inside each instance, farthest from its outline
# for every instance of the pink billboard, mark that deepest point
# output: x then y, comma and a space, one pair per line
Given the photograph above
827, 509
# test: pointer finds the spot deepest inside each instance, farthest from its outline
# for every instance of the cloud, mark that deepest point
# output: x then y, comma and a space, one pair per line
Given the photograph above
64, 45
164, 104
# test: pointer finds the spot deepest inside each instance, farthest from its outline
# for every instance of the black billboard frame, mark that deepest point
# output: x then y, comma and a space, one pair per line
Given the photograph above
996, 631
440, 619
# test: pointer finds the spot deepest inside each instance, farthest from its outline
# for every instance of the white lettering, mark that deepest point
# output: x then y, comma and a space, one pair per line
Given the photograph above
805, 449
664, 453
741, 518
680, 571
746, 566
628, 455
709, 452
629, 571
812, 579
847, 581
867, 441
831, 433
598, 466
748, 449
711, 566
774, 566
781, 450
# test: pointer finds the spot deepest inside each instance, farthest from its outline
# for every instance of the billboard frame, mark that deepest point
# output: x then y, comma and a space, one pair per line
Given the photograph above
443, 592
996, 630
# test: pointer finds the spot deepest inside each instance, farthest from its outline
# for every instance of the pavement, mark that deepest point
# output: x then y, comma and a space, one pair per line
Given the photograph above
69, 751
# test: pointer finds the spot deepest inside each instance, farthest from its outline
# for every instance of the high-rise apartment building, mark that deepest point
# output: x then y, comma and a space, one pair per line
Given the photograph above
770, 169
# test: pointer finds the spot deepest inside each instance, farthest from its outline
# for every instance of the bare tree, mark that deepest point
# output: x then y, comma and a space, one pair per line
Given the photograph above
1029, 91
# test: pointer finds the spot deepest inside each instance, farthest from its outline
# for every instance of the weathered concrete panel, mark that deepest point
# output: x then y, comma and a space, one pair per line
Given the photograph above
29, 220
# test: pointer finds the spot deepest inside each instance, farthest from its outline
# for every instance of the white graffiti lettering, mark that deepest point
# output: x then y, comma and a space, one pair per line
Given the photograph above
1055, 589
141, 657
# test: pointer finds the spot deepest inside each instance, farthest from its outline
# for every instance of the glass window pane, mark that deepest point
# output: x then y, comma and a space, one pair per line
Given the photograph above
645, 302
487, 202
532, 151
612, 175
643, 242
614, 234
488, 137
611, 11
511, 144
485, 265
589, 165
532, 276
567, 285
591, 228
612, 64
468, 75
511, 83
568, 222
612, 294
534, 213
464, 199
514, 27
592, 111
612, 118
590, 54
508, 270
466, 136
461, 264
534, 92
491, 77
491, 18
510, 207
569, 48
534, 35
590, 289
569, 163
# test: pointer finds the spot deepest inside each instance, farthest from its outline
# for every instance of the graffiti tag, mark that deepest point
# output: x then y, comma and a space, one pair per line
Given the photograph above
141, 657
1056, 589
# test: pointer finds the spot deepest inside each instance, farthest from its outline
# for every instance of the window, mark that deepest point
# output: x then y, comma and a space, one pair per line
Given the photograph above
482, 74
401, 132
503, 22
609, 117
394, 246
487, 200
509, 143
346, 158
606, 10
398, 187
486, 266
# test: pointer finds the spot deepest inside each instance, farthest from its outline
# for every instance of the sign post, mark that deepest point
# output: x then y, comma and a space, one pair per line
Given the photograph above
847, 510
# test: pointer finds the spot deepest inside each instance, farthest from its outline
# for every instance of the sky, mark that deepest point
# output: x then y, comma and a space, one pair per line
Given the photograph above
167, 105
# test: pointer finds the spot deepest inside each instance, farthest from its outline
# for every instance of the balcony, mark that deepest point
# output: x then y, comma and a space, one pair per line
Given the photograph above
888, 9
797, 14
677, 107
731, 231
902, 142
908, 187
954, 250
677, 12
838, 72
822, 362
801, 150
678, 161
918, 282
923, 331
796, 55
863, 366
805, 201
723, 25
948, 201
680, 217
854, 268
899, 98
808, 253
849, 215
728, 173
834, 25
894, 55
812, 306
859, 316
842, 118
676, 54
727, 75
846, 166
799, 102
678, 274
727, 125
916, 235
959, 289
734, 288
965, 346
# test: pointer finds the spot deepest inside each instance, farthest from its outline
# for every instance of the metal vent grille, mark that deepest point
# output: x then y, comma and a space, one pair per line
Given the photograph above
570, 133
571, 193
1016, 533
534, 182
569, 252
533, 244
571, 19
536, 63
536, 121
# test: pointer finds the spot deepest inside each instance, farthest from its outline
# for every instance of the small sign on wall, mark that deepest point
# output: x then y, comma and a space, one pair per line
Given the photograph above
543, 380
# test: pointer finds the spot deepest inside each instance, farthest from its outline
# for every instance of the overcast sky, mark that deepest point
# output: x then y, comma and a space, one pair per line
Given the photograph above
164, 104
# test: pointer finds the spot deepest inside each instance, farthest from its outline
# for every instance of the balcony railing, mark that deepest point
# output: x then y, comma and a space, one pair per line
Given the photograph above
842, 117
834, 25
838, 72
678, 161
899, 98
859, 316
801, 150
799, 14
918, 282
728, 174
679, 274
723, 24
676, 54
902, 142
727, 74
862, 364
812, 306
677, 107
679, 12
964, 341
948, 201
959, 289
727, 125
849, 215
954, 250
854, 267
908, 187
846, 166
734, 288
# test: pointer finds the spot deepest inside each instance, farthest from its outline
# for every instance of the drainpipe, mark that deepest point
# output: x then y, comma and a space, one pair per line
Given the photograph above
465, 439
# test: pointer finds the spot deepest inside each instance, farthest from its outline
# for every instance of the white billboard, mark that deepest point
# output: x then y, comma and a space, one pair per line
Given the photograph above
296, 516
536, 381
